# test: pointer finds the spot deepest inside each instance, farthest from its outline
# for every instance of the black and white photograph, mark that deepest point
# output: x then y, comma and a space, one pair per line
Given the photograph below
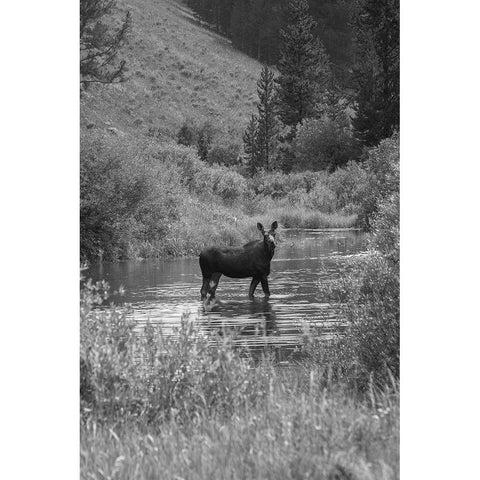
239, 239
222, 260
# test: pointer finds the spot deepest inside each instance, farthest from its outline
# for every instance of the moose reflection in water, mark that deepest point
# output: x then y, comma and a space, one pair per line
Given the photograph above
251, 260
255, 317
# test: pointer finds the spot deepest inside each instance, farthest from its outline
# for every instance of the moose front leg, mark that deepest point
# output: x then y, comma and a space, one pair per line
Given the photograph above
266, 290
214, 283
253, 286
205, 287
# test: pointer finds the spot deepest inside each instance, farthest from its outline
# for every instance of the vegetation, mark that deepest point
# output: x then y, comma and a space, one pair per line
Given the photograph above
100, 42
170, 78
377, 71
323, 144
149, 200
303, 66
268, 125
192, 406
254, 27
143, 197
143, 200
369, 288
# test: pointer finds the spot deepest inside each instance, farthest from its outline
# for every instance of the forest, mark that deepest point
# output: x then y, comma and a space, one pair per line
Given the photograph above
254, 27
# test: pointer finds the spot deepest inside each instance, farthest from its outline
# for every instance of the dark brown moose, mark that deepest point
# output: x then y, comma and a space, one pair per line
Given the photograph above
251, 260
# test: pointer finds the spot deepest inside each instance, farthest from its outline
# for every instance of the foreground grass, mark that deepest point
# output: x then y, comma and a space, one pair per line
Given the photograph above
299, 430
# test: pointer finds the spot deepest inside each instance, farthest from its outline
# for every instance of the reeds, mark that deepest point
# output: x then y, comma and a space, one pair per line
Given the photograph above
297, 217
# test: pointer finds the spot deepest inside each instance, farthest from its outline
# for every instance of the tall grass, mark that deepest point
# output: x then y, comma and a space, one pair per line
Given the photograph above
194, 407
296, 217
296, 432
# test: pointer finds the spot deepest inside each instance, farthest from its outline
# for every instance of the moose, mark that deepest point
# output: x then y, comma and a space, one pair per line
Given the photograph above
251, 260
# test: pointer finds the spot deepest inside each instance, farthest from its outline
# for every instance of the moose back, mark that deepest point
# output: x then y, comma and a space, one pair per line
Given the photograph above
251, 260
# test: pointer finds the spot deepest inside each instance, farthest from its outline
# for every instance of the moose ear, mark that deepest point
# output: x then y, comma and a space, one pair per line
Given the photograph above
260, 227
274, 225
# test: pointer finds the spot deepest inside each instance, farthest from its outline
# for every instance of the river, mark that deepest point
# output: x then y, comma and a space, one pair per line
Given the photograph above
162, 290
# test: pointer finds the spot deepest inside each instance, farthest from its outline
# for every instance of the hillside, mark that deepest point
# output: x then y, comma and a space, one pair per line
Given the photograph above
177, 70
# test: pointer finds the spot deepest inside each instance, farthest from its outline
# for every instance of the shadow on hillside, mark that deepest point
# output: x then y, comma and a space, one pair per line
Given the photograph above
192, 18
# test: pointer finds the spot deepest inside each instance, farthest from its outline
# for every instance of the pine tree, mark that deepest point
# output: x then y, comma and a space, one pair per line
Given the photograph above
250, 145
267, 122
377, 72
304, 66
333, 104
100, 44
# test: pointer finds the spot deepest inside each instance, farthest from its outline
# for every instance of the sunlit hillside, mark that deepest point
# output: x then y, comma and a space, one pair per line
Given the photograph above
177, 70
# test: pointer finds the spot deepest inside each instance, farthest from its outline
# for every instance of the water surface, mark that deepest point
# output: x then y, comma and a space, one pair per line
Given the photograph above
162, 290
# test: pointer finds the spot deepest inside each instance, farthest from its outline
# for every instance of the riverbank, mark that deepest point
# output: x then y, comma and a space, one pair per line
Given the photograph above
223, 228
151, 200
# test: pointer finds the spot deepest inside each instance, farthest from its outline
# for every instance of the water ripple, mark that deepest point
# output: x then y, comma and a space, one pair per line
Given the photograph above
162, 291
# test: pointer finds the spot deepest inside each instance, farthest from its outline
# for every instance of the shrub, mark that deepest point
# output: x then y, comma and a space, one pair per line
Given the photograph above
131, 373
187, 135
368, 291
349, 185
126, 196
224, 154
227, 184
204, 140
279, 185
383, 176
200, 136
321, 198
386, 228
205, 180
323, 144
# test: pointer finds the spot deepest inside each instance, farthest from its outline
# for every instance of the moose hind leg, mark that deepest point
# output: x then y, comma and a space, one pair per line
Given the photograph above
253, 286
265, 288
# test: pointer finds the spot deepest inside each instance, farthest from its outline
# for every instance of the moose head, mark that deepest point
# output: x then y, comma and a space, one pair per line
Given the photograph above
269, 237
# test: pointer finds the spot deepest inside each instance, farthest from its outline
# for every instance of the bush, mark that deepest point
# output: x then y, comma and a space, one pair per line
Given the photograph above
348, 184
126, 196
279, 185
368, 291
224, 154
386, 228
199, 136
187, 135
383, 176
136, 374
322, 198
323, 144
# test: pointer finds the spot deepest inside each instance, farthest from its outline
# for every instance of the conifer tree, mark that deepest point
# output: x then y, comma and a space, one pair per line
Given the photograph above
100, 43
250, 145
303, 65
267, 122
377, 72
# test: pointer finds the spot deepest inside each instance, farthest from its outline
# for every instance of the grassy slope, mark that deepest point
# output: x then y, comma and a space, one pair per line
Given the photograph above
176, 70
